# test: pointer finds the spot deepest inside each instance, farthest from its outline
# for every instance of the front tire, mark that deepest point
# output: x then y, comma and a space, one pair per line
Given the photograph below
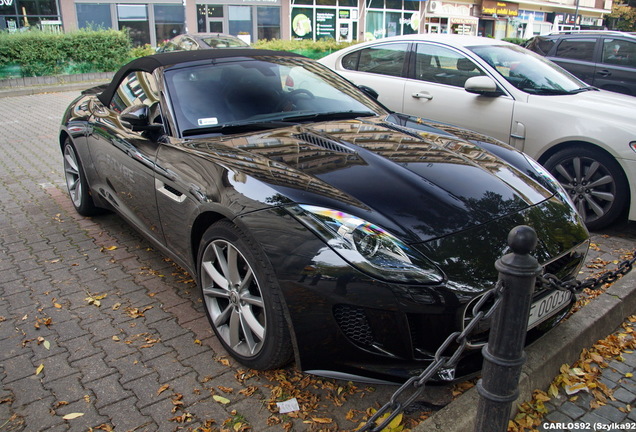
76, 182
594, 181
242, 298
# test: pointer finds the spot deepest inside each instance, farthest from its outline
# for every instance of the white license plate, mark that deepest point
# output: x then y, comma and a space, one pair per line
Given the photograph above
547, 306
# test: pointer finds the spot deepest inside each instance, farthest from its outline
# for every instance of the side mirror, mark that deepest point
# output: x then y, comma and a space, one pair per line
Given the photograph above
482, 85
369, 91
137, 118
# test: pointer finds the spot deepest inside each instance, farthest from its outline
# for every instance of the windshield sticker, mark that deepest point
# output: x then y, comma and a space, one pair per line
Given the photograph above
208, 121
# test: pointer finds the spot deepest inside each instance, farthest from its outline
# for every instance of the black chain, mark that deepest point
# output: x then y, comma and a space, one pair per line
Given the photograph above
551, 281
417, 383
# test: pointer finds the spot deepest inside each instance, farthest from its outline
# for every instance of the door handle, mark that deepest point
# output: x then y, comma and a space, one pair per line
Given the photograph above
419, 95
604, 73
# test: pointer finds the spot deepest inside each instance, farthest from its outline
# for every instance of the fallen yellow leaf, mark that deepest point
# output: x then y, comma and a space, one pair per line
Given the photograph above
221, 399
39, 369
72, 416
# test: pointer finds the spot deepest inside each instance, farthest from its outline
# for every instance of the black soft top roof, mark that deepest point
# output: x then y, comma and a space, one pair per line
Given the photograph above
152, 62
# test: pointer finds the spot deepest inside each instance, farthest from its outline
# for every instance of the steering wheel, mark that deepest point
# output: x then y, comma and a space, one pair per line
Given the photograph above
287, 102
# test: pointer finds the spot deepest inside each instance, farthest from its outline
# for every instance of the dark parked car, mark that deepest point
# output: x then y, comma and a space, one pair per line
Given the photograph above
189, 42
606, 60
319, 225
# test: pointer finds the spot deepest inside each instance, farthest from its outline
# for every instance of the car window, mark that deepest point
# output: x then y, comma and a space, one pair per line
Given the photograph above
187, 44
540, 45
576, 49
220, 41
384, 59
619, 52
264, 90
136, 89
527, 71
442, 65
170, 46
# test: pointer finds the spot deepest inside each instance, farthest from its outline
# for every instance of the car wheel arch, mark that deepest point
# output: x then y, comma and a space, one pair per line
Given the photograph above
201, 223
612, 166
64, 135
572, 144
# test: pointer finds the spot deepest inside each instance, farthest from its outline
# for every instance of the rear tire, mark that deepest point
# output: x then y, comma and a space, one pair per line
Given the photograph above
242, 298
594, 181
76, 182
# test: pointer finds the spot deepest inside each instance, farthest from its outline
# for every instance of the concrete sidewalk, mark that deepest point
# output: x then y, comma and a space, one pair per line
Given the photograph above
51, 84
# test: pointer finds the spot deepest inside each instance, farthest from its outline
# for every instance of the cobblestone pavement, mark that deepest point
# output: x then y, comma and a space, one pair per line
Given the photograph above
93, 321
574, 413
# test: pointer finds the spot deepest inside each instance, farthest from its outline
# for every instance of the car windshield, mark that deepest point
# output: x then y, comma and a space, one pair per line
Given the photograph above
219, 41
237, 95
528, 71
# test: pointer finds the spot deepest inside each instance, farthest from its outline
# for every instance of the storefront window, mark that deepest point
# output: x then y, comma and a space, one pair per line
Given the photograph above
210, 18
302, 23
397, 18
169, 21
16, 14
268, 22
240, 20
135, 19
93, 16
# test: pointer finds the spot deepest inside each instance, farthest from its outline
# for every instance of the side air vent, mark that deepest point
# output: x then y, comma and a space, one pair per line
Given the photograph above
319, 141
353, 323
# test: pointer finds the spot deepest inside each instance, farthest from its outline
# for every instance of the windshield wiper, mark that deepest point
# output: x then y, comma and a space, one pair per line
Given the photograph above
238, 127
335, 115
583, 89
546, 91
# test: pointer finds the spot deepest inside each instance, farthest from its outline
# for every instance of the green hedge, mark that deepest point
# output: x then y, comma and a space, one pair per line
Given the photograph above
517, 41
308, 48
37, 53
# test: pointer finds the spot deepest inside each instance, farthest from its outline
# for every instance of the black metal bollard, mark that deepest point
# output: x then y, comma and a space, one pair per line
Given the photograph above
503, 354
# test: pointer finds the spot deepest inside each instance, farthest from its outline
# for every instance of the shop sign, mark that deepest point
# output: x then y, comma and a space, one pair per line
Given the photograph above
302, 26
413, 22
463, 21
526, 15
499, 8
449, 9
325, 23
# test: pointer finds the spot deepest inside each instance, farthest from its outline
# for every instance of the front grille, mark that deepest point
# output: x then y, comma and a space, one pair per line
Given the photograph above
354, 324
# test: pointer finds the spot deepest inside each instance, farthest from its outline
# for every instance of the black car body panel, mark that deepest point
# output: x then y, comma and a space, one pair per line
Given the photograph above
451, 196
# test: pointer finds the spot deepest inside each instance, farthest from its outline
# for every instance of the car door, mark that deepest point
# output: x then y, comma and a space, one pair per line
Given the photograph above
381, 67
125, 159
576, 55
435, 90
616, 70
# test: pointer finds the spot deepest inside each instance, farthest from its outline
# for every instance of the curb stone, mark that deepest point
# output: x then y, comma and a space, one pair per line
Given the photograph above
563, 344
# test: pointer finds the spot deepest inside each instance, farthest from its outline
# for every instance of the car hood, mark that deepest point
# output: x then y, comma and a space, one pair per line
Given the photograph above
417, 184
601, 105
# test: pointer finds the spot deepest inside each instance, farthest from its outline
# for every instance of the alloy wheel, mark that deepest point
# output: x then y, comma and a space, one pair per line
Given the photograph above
590, 185
73, 177
233, 298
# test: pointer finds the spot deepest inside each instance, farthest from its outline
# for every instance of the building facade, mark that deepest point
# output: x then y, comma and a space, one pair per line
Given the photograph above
154, 21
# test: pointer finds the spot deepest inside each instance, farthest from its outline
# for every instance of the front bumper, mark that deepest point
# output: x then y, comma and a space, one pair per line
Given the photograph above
347, 324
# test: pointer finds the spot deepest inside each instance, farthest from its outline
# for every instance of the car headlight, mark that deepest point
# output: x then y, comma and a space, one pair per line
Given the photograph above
367, 247
556, 186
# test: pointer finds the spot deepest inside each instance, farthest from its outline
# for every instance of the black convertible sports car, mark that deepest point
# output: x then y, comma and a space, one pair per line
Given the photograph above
319, 224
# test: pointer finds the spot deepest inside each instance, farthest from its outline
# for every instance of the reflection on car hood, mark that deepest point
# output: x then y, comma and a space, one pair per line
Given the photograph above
420, 185
600, 106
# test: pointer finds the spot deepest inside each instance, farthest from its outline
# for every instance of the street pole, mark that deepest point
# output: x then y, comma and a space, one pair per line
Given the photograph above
503, 354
